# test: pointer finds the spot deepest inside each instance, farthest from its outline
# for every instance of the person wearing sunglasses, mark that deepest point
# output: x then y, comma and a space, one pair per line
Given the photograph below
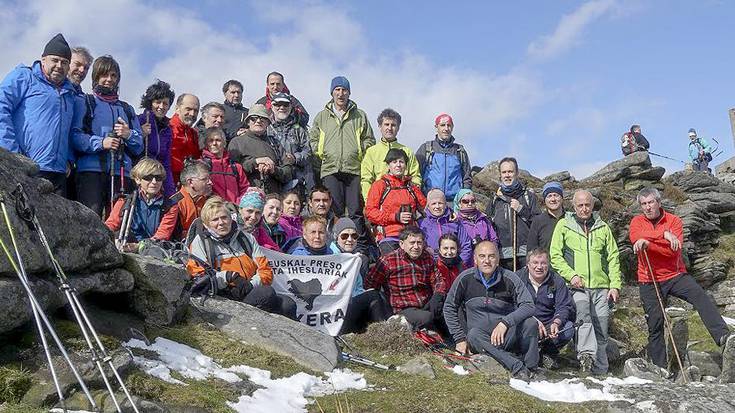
262, 156
150, 205
439, 219
476, 224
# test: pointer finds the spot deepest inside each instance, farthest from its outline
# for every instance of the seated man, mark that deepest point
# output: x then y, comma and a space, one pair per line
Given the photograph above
228, 260
196, 187
555, 310
499, 311
410, 278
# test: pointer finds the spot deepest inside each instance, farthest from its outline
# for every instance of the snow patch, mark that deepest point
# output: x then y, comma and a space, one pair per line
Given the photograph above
288, 394
729, 321
459, 370
575, 390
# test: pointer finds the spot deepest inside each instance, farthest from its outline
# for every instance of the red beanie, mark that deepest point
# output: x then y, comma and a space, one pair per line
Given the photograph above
443, 117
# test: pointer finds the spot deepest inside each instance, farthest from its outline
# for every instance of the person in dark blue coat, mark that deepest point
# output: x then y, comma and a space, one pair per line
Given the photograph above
109, 134
555, 309
37, 110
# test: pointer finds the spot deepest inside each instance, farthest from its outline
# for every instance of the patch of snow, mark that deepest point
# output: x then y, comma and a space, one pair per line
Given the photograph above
574, 390
459, 370
729, 321
288, 394
646, 406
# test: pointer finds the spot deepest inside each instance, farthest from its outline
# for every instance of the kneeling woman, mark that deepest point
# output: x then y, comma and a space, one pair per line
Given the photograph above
234, 262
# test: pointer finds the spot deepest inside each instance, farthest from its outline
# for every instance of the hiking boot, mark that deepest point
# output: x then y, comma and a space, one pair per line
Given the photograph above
549, 362
523, 374
586, 362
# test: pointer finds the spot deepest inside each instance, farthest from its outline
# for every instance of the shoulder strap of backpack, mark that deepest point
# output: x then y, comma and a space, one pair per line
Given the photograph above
386, 190
246, 245
233, 165
90, 105
428, 152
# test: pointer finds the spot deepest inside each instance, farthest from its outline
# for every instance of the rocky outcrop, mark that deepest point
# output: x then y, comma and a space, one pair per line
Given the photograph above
486, 181
634, 171
159, 296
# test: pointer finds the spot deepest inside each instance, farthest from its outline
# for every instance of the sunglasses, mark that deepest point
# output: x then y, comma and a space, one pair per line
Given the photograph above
344, 236
151, 177
255, 118
468, 201
281, 104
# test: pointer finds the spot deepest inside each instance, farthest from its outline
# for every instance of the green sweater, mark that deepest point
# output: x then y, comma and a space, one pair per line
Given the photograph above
340, 143
593, 256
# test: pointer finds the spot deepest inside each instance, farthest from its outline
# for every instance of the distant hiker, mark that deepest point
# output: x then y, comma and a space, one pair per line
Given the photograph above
37, 111
251, 213
112, 139
185, 139
542, 226
439, 219
290, 219
449, 263
339, 137
443, 163
234, 260
261, 156
700, 152
584, 252
229, 180
196, 188
81, 62
294, 139
555, 309
373, 165
499, 314
156, 128
149, 209
394, 201
633, 141
272, 211
512, 209
235, 112
659, 234
213, 116
409, 277
274, 84
476, 225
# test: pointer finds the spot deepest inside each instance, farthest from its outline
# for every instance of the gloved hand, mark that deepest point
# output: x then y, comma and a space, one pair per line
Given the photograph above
436, 304
239, 287
205, 284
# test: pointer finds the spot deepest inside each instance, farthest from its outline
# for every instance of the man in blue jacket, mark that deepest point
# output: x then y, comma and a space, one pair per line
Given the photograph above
37, 112
555, 309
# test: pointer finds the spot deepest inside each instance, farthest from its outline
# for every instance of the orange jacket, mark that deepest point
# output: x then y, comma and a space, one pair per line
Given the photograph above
666, 263
179, 217
184, 144
383, 208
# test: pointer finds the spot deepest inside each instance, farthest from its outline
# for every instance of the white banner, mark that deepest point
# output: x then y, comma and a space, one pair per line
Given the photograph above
321, 286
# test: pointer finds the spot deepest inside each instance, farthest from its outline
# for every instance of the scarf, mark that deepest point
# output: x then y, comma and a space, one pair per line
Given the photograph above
514, 190
313, 251
451, 262
106, 94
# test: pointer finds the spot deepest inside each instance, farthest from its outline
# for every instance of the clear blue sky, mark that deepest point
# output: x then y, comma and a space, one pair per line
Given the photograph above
554, 83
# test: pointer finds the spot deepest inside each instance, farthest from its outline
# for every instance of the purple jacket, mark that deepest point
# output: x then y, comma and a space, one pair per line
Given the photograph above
291, 225
158, 147
434, 227
478, 229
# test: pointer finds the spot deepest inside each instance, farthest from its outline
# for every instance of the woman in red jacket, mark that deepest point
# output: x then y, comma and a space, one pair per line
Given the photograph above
393, 202
228, 178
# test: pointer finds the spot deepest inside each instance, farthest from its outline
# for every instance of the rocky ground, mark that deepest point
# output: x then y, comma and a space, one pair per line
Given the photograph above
130, 297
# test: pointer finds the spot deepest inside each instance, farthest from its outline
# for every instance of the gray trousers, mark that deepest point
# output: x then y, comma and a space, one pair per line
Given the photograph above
522, 339
594, 312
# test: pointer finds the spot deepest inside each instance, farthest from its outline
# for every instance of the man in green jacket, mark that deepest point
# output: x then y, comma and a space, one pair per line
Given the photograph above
584, 252
373, 163
339, 137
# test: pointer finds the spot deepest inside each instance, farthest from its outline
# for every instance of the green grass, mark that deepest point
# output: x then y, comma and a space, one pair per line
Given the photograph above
725, 253
628, 325
21, 408
698, 332
14, 383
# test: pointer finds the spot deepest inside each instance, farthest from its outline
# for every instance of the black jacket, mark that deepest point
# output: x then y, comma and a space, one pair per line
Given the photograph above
542, 228
234, 119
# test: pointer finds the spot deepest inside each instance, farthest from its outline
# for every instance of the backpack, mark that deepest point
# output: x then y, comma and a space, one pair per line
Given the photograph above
233, 166
91, 104
429, 158
628, 143
409, 187
197, 228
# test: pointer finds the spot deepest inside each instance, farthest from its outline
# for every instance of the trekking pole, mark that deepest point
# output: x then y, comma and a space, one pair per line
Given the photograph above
112, 179
665, 157
667, 322
26, 212
127, 221
514, 222
41, 321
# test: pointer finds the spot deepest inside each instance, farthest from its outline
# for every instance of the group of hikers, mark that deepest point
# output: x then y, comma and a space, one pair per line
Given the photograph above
517, 281
699, 149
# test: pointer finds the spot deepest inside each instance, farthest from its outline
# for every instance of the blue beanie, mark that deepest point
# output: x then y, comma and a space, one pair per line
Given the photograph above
339, 81
253, 198
552, 187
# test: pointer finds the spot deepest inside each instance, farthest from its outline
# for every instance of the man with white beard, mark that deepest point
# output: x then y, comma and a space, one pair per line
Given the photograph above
295, 141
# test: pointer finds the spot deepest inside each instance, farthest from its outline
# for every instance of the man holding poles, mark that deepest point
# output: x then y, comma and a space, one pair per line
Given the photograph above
657, 238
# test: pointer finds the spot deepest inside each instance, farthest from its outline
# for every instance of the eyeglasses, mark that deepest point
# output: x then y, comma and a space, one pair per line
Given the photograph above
281, 104
468, 201
345, 236
151, 177
256, 119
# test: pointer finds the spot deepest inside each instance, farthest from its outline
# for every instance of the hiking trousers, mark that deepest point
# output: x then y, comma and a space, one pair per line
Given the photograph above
368, 307
552, 346
518, 351
593, 310
57, 179
682, 286
93, 190
345, 190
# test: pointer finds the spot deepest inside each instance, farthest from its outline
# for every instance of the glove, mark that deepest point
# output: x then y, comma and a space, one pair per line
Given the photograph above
436, 304
238, 287
205, 284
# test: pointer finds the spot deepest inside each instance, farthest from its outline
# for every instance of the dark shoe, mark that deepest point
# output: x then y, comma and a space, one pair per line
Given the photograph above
523, 374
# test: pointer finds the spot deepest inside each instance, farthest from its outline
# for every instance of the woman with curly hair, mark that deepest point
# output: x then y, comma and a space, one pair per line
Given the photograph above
156, 131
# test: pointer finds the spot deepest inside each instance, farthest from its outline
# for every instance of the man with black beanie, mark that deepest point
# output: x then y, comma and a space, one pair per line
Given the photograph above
37, 110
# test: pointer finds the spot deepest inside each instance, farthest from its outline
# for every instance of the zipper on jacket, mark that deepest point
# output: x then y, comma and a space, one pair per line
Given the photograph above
589, 266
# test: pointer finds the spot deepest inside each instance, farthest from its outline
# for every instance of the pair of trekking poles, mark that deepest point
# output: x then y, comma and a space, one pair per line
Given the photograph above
99, 354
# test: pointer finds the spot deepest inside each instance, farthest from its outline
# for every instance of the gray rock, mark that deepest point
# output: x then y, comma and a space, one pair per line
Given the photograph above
561, 177
619, 169
728, 361
78, 402
305, 345
159, 295
489, 366
636, 184
693, 375
418, 366
638, 367
724, 294
680, 331
676, 398
486, 181
715, 202
14, 303
78, 238
653, 174
698, 182
708, 363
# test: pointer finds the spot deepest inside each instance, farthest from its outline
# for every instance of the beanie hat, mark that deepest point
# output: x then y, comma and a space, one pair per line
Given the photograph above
341, 225
394, 154
258, 110
253, 198
443, 117
339, 81
552, 187
57, 46
692, 131
458, 198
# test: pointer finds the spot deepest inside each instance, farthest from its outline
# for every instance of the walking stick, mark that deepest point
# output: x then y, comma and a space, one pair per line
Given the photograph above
112, 179
514, 221
127, 219
667, 322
